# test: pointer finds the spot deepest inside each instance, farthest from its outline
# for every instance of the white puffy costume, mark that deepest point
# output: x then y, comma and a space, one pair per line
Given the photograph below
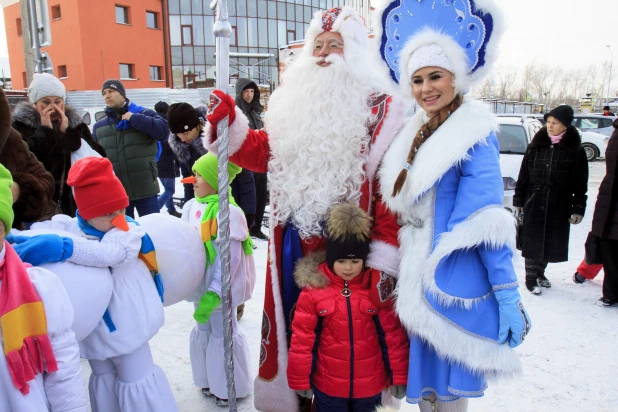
124, 377
206, 348
64, 389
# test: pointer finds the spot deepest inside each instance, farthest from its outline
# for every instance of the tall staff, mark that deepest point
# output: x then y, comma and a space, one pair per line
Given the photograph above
223, 30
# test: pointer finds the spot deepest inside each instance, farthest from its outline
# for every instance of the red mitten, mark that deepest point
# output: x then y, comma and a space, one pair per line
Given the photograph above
221, 105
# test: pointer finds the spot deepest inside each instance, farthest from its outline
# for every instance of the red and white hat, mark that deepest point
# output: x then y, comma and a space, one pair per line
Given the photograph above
343, 20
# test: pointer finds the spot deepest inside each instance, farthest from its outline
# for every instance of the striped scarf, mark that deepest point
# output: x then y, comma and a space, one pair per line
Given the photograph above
209, 227
27, 347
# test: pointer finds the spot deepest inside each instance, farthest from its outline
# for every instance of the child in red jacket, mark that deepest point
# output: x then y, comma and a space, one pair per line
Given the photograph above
345, 348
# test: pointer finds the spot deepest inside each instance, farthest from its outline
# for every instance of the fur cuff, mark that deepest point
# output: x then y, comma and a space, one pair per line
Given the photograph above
237, 133
492, 226
384, 257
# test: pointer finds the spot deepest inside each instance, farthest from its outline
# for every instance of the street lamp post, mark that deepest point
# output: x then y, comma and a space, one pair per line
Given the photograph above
609, 81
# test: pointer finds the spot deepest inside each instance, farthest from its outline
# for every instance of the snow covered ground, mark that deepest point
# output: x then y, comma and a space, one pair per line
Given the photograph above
570, 357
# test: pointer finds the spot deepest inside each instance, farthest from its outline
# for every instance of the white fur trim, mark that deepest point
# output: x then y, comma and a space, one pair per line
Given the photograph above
276, 395
389, 403
447, 147
453, 50
492, 226
384, 257
395, 113
237, 133
449, 340
348, 24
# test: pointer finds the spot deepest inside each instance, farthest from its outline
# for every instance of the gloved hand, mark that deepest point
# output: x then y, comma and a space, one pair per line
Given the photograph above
576, 219
518, 210
208, 303
220, 106
398, 391
40, 249
308, 393
514, 320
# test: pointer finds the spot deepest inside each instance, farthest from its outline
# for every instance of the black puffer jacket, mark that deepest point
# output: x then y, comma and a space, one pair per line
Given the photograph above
605, 219
54, 148
188, 153
251, 110
552, 186
243, 190
167, 165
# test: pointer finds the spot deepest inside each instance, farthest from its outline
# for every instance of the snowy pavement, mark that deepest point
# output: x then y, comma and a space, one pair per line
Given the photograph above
570, 357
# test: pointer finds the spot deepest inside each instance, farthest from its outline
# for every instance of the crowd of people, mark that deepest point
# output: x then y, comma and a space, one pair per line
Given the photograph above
390, 258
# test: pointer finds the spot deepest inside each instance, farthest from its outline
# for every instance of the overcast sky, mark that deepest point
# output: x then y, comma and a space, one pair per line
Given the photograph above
569, 33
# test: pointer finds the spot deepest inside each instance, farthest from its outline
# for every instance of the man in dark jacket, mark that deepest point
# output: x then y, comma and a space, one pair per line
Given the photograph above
129, 135
605, 222
168, 168
248, 100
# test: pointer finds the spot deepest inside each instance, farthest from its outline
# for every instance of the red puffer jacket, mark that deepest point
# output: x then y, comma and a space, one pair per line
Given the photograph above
347, 347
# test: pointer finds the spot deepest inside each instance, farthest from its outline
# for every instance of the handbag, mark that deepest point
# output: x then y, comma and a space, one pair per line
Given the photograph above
593, 245
55, 207
519, 236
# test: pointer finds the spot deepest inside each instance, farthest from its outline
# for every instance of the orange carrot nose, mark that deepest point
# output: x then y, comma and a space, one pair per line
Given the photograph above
120, 222
190, 180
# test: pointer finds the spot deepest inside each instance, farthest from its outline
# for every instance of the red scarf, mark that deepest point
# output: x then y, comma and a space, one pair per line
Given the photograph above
27, 347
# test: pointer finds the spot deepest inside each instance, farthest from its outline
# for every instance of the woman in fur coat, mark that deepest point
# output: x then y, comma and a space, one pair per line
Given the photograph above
52, 131
551, 193
457, 289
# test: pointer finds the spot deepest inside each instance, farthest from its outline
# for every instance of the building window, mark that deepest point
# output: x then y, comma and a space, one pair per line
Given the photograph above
62, 71
152, 20
122, 15
55, 12
187, 35
291, 36
127, 71
18, 21
155, 73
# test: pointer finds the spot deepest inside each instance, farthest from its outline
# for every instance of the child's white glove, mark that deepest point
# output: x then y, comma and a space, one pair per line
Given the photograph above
308, 393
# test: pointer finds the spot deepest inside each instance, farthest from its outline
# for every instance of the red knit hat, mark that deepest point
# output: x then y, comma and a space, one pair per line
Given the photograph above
96, 189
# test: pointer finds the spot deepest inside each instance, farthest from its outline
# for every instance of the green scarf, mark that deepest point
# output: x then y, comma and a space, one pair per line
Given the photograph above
210, 229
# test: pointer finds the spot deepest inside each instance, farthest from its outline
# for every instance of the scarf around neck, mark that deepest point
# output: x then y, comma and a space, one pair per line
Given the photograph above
556, 139
27, 347
209, 227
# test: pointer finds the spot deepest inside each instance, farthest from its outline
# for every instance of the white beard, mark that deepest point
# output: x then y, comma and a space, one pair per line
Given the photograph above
317, 126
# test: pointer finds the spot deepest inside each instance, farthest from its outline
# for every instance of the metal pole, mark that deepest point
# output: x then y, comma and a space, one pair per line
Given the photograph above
223, 30
34, 32
609, 81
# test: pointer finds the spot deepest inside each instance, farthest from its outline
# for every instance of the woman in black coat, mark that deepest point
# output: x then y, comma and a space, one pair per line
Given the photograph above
605, 222
551, 193
52, 131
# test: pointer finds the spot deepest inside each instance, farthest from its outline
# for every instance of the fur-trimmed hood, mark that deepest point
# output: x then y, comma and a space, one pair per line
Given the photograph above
307, 273
27, 114
571, 140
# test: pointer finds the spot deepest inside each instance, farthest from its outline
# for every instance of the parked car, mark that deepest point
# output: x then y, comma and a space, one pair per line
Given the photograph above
595, 123
514, 136
91, 115
595, 143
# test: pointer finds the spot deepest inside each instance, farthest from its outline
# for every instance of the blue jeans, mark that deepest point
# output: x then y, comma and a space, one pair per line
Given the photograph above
167, 197
145, 206
325, 403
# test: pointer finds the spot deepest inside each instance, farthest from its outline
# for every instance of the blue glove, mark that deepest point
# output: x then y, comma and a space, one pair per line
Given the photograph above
41, 249
514, 320
12, 239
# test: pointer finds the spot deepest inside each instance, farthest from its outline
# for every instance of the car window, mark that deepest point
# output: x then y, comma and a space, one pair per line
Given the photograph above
589, 123
532, 129
86, 118
512, 139
606, 123
99, 115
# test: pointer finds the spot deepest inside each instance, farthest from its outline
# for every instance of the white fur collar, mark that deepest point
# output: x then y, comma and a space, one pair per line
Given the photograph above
448, 146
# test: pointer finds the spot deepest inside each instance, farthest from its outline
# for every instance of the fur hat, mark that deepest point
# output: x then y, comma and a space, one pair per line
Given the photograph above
44, 85
343, 20
96, 189
349, 230
564, 113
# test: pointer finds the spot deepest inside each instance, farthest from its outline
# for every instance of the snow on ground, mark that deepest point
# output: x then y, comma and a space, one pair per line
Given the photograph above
569, 358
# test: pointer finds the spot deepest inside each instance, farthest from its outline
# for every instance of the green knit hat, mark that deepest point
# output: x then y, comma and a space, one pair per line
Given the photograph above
206, 166
6, 198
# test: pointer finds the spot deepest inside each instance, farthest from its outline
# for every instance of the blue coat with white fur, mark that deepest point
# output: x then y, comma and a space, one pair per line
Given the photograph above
457, 240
